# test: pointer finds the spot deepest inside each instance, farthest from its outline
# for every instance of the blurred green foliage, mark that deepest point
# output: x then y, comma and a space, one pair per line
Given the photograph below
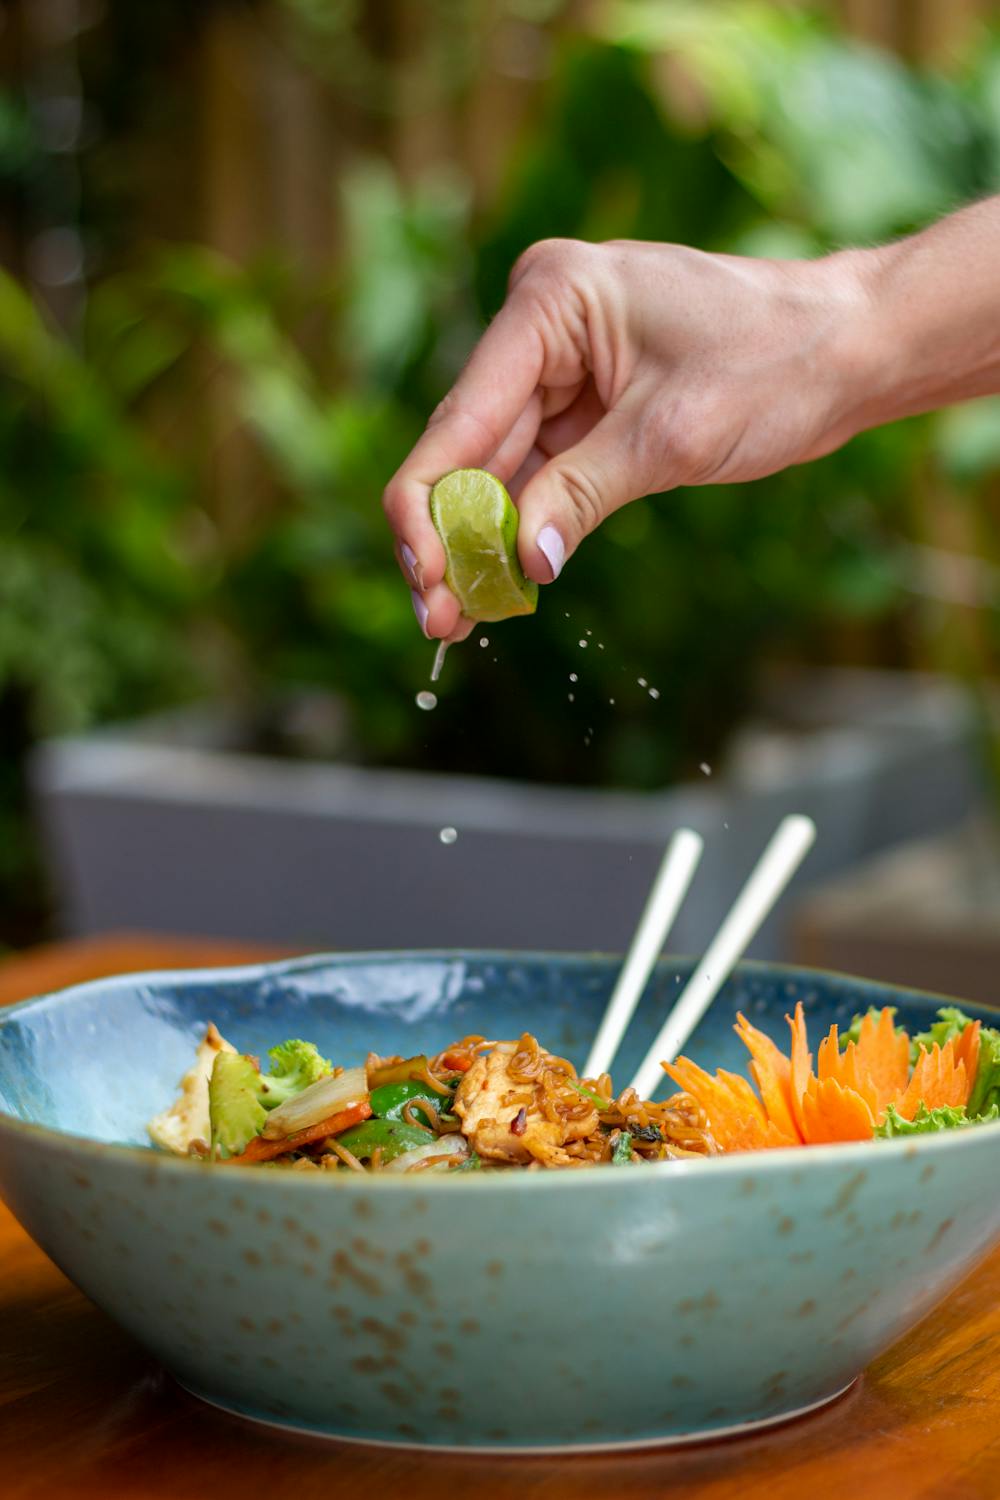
122, 587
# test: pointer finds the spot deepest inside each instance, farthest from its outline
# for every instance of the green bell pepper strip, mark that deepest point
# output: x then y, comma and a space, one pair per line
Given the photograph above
394, 1136
389, 1101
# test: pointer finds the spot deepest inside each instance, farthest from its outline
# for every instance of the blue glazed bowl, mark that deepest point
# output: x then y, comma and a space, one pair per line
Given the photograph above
507, 1312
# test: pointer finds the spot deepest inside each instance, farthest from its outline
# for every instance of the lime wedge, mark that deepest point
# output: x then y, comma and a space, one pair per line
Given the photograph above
477, 522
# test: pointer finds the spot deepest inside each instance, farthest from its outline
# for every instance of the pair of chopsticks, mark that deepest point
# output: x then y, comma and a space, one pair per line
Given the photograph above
775, 868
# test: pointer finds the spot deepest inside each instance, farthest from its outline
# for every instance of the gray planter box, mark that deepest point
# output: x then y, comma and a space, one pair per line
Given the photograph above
160, 827
927, 914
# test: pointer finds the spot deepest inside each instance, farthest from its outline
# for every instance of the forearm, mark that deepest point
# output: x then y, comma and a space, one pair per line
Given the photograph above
931, 325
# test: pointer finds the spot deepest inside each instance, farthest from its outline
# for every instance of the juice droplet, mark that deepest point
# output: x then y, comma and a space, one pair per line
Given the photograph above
484, 641
612, 702
573, 677
439, 656
705, 768
583, 645
642, 682
600, 645
571, 697
654, 692
590, 632
427, 700
448, 835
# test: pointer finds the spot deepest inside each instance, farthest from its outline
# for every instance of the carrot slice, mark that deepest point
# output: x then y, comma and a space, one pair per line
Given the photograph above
801, 1065
833, 1113
772, 1073
736, 1120
736, 1116
967, 1052
261, 1150
845, 1068
829, 1059
938, 1079
456, 1062
883, 1057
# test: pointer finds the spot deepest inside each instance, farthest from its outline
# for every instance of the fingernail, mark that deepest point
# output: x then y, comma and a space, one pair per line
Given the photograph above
411, 565
420, 610
553, 549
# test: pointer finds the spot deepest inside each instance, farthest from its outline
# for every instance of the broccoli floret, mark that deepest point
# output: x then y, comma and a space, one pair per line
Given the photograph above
294, 1066
239, 1095
235, 1112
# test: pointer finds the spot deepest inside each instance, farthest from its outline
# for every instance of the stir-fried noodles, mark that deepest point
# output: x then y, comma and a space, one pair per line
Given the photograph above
476, 1105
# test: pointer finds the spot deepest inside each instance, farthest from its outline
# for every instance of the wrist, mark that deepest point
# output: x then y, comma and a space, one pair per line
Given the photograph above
927, 327
863, 354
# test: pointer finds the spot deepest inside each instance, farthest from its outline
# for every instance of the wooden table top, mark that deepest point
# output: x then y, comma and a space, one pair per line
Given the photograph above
84, 1412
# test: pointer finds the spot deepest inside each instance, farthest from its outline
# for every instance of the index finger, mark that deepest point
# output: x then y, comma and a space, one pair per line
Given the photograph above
468, 427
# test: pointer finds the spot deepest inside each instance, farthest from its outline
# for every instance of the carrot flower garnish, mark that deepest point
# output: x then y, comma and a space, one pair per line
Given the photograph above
860, 1088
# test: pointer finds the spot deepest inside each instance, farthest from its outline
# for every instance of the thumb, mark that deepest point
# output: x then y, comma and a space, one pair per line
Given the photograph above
572, 494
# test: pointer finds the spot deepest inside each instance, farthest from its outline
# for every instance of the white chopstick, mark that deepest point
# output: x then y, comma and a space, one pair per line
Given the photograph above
662, 905
776, 866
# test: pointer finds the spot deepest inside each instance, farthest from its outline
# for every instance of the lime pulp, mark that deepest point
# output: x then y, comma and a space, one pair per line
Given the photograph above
477, 522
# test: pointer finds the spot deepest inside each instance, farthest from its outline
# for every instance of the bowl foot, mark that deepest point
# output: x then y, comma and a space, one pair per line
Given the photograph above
528, 1450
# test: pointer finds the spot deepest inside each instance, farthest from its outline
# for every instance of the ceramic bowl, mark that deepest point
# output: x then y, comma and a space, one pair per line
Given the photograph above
511, 1311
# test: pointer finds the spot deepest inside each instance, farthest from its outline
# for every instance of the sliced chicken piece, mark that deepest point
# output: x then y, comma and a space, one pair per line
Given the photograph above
489, 1102
186, 1121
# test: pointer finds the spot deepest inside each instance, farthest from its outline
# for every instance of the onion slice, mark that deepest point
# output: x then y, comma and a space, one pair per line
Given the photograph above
454, 1146
327, 1096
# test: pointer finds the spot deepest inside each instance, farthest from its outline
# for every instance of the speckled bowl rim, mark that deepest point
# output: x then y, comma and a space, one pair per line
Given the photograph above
734, 1164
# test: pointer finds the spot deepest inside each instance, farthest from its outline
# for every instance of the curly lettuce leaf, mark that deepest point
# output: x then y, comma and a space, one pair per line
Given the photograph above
951, 1023
985, 1095
926, 1121
295, 1065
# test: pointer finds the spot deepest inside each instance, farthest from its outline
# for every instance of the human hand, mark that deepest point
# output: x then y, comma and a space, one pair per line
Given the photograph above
614, 371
